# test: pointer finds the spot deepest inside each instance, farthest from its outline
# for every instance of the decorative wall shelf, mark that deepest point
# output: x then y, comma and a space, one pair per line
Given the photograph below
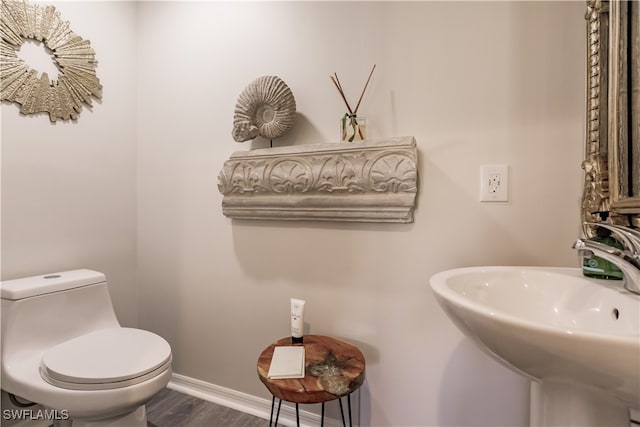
360, 181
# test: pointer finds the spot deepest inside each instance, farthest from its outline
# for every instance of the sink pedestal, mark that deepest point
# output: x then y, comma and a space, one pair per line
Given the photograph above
556, 404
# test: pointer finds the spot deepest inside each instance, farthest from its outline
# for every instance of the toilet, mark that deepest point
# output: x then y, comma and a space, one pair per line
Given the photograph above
63, 348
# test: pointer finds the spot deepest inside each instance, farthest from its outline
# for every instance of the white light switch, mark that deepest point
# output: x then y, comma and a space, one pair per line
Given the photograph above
494, 183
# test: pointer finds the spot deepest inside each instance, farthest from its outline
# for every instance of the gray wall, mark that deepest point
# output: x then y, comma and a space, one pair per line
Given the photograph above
475, 83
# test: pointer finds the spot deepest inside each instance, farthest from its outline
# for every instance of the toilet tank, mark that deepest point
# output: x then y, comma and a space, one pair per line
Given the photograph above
41, 311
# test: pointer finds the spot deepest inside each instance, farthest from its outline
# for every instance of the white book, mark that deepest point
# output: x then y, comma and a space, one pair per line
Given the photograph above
287, 362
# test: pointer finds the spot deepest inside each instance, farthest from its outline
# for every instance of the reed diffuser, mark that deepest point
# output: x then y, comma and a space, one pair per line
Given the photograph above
352, 127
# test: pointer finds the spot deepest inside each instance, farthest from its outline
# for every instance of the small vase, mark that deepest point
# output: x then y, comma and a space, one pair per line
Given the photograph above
353, 128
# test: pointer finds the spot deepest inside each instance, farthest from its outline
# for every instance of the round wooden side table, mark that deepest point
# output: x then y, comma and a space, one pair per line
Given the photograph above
333, 369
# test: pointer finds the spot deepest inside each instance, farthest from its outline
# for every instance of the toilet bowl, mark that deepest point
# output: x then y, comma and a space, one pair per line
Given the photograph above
62, 347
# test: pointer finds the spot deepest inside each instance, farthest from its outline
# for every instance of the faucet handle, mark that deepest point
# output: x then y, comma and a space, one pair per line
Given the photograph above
628, 236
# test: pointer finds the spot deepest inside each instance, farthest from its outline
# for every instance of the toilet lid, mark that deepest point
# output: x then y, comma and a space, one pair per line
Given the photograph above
106, 356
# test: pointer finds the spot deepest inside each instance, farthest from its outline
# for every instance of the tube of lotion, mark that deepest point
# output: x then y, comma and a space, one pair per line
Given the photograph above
297, 320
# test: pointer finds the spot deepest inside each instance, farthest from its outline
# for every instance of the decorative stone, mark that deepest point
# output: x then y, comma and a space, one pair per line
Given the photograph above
360, 181
333, 368
266, 107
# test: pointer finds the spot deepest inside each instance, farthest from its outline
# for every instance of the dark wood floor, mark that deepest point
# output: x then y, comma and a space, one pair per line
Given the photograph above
173, 409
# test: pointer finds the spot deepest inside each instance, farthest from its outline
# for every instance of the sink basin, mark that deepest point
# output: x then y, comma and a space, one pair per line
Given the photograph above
578, 337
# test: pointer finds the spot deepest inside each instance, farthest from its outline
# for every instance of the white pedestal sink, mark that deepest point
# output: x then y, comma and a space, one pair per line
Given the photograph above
577, 337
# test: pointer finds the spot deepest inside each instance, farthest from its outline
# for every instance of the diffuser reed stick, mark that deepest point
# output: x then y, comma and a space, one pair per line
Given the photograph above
364, 89
335, 82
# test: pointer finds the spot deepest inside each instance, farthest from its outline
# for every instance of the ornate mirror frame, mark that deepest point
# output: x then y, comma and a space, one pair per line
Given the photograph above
77, 82
611, 163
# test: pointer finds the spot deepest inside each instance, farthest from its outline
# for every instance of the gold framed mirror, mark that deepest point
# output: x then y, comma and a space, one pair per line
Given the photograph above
612, 154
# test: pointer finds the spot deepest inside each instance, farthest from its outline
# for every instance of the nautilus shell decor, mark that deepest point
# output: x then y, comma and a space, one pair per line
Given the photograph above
77, 82
266, 107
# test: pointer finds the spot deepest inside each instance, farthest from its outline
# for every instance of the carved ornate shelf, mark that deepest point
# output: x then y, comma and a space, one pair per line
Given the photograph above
360, 181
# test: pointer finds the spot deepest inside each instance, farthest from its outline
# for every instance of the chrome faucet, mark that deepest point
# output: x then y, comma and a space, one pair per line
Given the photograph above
627, 260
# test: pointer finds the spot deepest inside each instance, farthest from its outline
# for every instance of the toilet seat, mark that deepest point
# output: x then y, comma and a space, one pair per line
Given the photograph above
106, 359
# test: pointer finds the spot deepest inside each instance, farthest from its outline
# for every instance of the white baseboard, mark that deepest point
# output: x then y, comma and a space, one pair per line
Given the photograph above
246, 403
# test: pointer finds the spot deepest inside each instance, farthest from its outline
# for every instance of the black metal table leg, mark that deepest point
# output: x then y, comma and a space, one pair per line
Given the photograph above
344, 424
278, 413
349, 404
273, 405
322, 416
297, 416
